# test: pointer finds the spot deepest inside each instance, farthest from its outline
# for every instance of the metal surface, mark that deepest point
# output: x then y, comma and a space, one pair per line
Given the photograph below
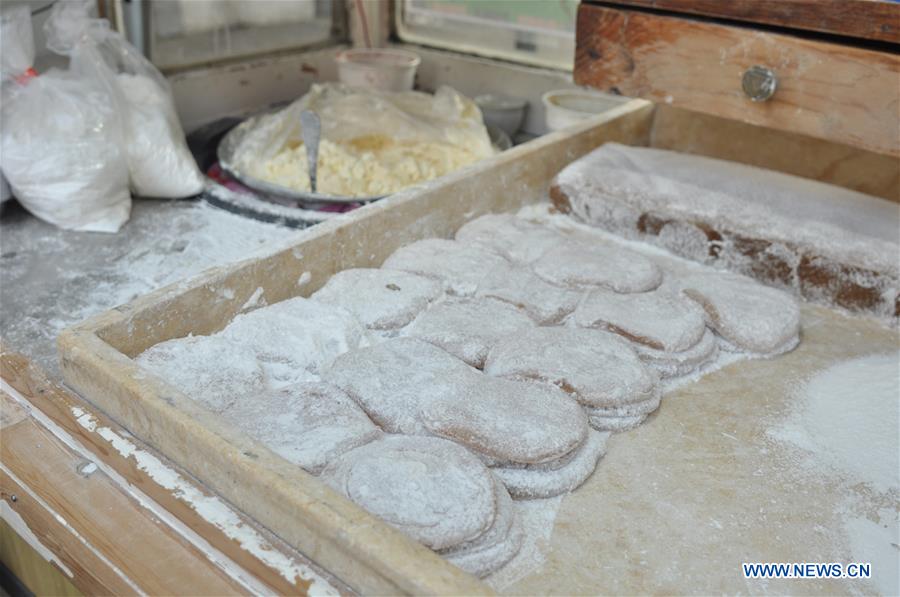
312, 132
759, 83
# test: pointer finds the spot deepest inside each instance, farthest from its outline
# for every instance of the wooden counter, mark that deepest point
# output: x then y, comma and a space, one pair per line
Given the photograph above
88, 508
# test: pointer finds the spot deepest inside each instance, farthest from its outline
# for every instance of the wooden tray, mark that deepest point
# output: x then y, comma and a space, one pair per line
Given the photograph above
96, 356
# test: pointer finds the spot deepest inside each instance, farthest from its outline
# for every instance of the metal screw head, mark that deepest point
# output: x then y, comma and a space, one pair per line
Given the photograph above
759, 83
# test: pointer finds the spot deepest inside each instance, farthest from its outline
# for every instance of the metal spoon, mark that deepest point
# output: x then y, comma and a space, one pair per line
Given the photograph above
311, 132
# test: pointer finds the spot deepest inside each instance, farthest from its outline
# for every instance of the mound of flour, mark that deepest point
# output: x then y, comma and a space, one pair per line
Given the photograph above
848, 417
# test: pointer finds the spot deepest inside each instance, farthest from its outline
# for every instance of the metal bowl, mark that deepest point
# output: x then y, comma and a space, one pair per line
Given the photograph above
226, 150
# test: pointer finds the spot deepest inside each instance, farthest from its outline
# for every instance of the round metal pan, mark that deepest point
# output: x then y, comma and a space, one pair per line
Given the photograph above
226, 150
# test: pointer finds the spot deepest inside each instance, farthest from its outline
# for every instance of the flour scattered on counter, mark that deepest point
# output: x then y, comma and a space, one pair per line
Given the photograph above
52, 279
847, 418
847, 422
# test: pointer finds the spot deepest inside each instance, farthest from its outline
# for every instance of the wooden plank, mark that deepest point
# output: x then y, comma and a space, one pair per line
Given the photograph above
849, 167
269, 562
73, 559
30, 568
843, 94
105, 539
368, 554
866, 19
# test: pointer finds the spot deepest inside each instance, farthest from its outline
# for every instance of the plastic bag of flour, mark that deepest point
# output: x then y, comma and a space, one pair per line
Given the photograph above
60, 138
159, 161
369, 116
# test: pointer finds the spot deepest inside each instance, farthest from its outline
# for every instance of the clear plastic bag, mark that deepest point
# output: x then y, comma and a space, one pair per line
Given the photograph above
159, 161
373, 142
59, 139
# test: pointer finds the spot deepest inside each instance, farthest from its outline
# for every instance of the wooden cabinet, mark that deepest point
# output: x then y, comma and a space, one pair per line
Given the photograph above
841, 88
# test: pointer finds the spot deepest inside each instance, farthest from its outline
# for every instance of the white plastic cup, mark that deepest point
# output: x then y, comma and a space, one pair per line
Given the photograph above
565, 107
386, 69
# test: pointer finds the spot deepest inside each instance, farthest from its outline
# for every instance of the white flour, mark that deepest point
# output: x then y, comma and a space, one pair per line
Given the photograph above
537, 517
848, 410
847, 422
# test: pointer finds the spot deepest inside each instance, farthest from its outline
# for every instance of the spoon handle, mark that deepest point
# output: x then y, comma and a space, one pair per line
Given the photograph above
311, 132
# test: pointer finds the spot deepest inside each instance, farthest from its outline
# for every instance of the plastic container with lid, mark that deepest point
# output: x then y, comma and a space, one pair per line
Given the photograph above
386, 69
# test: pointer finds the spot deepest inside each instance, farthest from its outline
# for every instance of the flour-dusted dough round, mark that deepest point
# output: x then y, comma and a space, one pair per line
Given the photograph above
543, 481
496, 546
622, 418
209, 369
309, 424
508, 421
582, 265
392, 379
674, 364
468, 328
458, 265
748, 315
266, 349
661, 319
515, 238
519, 286
431, 489
381, 299
296, 339
597, 368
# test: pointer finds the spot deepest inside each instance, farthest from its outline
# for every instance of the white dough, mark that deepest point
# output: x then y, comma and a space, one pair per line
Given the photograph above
517, 239
748, 315
581, 265
458, 265
544, 481
661, 319
391, 380
381, 299
309, 424
468, 328
519, 286
597, 368
431, 489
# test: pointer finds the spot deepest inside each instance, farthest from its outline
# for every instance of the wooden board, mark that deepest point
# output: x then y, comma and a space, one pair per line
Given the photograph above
96, 356
172, 490
678, 504
93, 528
829, 91
866, 19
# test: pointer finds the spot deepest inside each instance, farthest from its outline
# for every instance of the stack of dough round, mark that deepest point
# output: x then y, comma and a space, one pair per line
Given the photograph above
518, 425
598, 369
437, 493
468, 328
517, 239
746, 315
381, 299
580, 265
667, 330
392, 380
519, 286
461, 267
410, 386
309, 424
